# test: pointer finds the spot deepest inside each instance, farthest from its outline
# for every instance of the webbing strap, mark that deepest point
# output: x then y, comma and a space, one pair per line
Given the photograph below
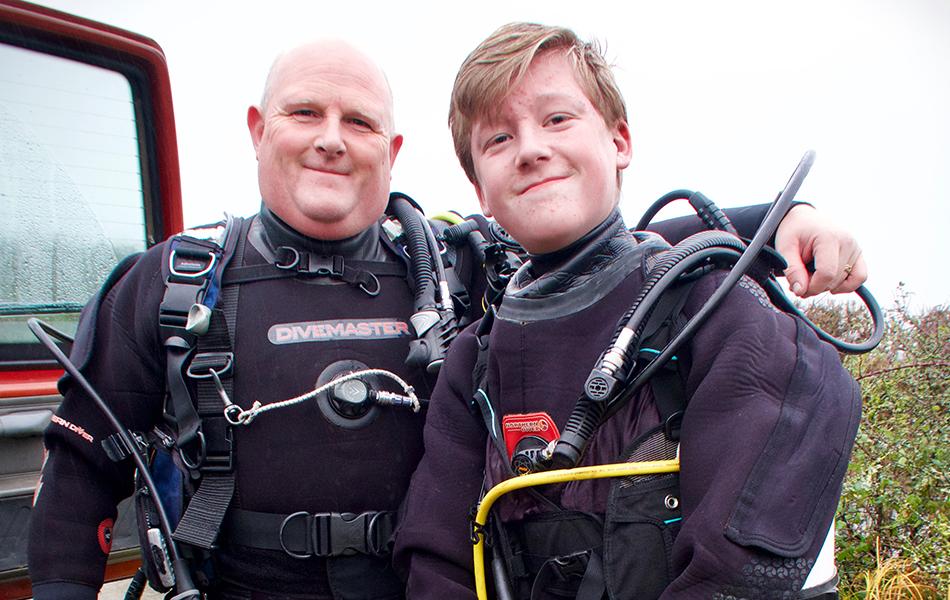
593, 586
303, 534
315, 266
211, 353
480, 397
669, 394
179, 409
201, 522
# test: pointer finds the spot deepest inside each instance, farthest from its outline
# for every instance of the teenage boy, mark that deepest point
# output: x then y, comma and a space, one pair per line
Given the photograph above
541, 131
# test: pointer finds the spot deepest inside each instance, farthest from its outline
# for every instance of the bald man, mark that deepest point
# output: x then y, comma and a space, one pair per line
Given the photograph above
325, 144
291, 500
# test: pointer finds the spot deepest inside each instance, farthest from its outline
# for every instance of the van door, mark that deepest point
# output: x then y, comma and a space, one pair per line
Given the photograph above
88, 175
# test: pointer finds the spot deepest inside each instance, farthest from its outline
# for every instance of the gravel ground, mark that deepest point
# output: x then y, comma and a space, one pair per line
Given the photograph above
116, 591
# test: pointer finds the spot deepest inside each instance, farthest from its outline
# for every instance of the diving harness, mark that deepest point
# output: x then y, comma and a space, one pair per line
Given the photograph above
196, 444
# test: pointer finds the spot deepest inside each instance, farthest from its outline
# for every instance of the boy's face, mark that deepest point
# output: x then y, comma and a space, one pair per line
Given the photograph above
546, 163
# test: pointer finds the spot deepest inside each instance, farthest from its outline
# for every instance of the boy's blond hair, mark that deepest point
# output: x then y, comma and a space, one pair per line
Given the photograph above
499, 63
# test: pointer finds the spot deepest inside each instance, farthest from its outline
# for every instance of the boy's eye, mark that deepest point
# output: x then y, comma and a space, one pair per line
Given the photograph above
558, 119
501, 138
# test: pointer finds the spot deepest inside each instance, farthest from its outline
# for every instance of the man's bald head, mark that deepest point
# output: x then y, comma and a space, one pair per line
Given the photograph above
329, 50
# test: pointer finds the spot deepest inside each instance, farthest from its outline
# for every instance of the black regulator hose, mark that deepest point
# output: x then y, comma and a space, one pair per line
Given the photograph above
705, 208
602, 399
602, 382
606, 392
589, 412
184, 586
417, 245
778, 297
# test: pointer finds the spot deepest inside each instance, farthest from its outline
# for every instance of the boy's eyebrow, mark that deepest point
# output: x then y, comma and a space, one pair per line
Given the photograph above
558, 96
495, 113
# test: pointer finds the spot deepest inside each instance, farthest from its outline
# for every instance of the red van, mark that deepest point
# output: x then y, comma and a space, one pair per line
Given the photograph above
88, 175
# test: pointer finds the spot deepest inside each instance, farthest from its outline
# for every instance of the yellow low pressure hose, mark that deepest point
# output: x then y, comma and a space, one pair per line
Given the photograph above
450, 217
558, 476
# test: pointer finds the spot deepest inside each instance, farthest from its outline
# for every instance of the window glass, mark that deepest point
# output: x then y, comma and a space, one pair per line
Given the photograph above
71, 200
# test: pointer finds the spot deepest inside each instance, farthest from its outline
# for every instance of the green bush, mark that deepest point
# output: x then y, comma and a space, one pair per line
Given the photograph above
897, 489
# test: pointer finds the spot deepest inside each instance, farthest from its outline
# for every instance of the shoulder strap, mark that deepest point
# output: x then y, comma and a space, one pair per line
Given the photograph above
480, 400
196, 321
669, 394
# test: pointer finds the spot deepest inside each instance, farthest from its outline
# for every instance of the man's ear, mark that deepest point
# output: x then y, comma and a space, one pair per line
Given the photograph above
255, 124
481, 200
621, 138
394, 145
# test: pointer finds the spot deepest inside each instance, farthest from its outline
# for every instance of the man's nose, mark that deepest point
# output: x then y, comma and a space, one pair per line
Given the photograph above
329, 138
532, 148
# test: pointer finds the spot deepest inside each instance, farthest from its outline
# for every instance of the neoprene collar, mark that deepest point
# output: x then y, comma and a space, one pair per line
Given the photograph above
575, 277
268, 232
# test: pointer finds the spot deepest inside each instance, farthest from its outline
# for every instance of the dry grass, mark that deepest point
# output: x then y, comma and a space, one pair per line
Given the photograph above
895, 579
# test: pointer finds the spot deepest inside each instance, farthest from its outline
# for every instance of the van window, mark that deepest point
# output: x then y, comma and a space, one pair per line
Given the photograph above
71, 199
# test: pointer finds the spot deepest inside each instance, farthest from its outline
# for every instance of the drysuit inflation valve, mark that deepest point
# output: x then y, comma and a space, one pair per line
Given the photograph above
349, 404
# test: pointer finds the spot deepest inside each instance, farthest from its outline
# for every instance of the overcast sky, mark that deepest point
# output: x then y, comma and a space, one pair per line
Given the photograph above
724, 97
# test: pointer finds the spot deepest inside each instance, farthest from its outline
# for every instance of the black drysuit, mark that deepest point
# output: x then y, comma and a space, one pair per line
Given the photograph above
765, 439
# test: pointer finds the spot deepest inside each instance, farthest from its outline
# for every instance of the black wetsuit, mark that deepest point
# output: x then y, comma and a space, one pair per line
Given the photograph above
764, 442
287, 460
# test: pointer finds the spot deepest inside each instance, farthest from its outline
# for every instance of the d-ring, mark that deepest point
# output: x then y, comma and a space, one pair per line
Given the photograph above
280, 535
294, 258
366, 289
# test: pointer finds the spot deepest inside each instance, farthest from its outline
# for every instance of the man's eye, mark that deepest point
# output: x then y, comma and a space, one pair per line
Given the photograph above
360, 123
304, 114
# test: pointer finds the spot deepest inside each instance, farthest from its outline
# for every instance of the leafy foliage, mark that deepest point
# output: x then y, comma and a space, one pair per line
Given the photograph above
897, 492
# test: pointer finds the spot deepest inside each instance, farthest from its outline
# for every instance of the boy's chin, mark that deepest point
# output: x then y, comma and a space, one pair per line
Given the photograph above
547, 245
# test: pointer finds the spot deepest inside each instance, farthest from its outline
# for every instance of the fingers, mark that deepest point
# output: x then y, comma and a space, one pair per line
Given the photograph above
839, 266
856, 278
796, 274
829, 271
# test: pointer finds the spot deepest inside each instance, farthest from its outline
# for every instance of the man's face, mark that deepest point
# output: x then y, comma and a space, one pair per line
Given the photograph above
324, 141
546, 163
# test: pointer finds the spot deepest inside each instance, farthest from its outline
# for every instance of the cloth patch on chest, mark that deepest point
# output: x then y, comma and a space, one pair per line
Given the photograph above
337, 329
536, 424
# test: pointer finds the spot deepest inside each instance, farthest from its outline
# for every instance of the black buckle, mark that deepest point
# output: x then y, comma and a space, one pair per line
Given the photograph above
324, 266
335, 534
206, 364
221, 460
672, 426
178, 300
116, 448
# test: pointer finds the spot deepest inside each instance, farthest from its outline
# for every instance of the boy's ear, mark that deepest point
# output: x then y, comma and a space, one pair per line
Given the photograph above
481, 200
621, 137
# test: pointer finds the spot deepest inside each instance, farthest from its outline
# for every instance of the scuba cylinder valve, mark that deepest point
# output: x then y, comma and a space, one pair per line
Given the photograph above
498, 254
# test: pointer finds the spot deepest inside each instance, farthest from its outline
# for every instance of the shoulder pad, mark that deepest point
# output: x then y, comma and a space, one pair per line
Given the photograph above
209, 233
86, 329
